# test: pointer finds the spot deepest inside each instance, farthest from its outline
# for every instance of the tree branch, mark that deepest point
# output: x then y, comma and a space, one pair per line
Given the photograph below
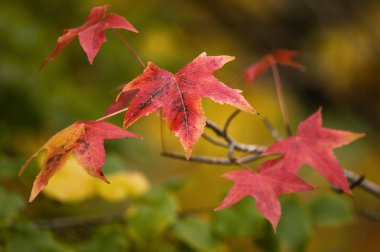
254, 152
365, 184
214, 160
229, 120
229, 141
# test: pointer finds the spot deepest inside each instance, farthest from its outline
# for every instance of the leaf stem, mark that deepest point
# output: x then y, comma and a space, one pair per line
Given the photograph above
280, 95
236, 78
163, 140
112, 114
134, 53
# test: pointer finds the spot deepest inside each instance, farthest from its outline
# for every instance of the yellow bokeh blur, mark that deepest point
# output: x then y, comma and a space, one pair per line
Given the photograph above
73, 184
123, 185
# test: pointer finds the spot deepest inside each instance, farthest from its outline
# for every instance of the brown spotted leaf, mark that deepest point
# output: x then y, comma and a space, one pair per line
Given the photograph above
91, 33
86, 140
180, 96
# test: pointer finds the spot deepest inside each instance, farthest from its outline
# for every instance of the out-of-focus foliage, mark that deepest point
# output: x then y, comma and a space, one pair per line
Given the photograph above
73, 184
338, 44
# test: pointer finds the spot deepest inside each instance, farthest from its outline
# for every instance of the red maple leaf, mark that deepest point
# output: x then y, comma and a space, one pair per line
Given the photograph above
313, 145
85, 140
124, 99
91, 33
283, 57
264, 186
180, 95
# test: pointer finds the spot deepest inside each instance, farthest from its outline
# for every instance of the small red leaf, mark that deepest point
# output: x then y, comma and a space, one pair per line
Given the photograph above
180, 95
313, 145
86, 141
91, 33
124, 99
264, 186
283, 57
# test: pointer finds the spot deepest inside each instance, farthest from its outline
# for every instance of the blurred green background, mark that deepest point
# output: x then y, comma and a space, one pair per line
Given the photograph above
159, 204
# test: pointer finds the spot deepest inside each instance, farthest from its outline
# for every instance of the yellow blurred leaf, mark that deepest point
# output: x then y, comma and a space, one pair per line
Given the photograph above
71, 184
123, 185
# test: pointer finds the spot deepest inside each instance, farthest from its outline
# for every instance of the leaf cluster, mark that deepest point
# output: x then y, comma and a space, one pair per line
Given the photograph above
178, 98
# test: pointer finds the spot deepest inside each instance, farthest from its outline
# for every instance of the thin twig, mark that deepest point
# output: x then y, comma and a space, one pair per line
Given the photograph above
213, 160
163, 139
112, 114
218, 131
275, 134
230, 153
237, 146
229, 120
214, 141
237, 77
134, 53
280, 94
365, 184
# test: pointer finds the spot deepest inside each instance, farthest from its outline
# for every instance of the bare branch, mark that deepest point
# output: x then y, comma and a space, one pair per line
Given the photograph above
229, 120
253, 152
218, 131
365, 184
213, 160
237, 146
214, 141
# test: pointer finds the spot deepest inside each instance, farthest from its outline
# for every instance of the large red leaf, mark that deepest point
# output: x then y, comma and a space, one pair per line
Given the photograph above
85, 140
264, 186
91, 33
180, 95
283, 57
313, 145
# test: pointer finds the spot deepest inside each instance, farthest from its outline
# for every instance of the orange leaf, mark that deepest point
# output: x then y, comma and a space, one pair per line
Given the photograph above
85, 140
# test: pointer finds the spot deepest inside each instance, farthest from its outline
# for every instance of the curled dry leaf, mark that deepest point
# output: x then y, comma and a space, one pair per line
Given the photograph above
265, 185
180, 95
91, 33
86, 141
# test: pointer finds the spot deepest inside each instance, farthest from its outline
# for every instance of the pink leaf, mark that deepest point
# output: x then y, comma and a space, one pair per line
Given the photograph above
91, 33
264, 186
313, 145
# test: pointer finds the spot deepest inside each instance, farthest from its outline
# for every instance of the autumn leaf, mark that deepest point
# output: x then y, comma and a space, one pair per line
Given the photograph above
283, 57
91, 33
265, 185
180, 95
85, 140
313, 145
124, 99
